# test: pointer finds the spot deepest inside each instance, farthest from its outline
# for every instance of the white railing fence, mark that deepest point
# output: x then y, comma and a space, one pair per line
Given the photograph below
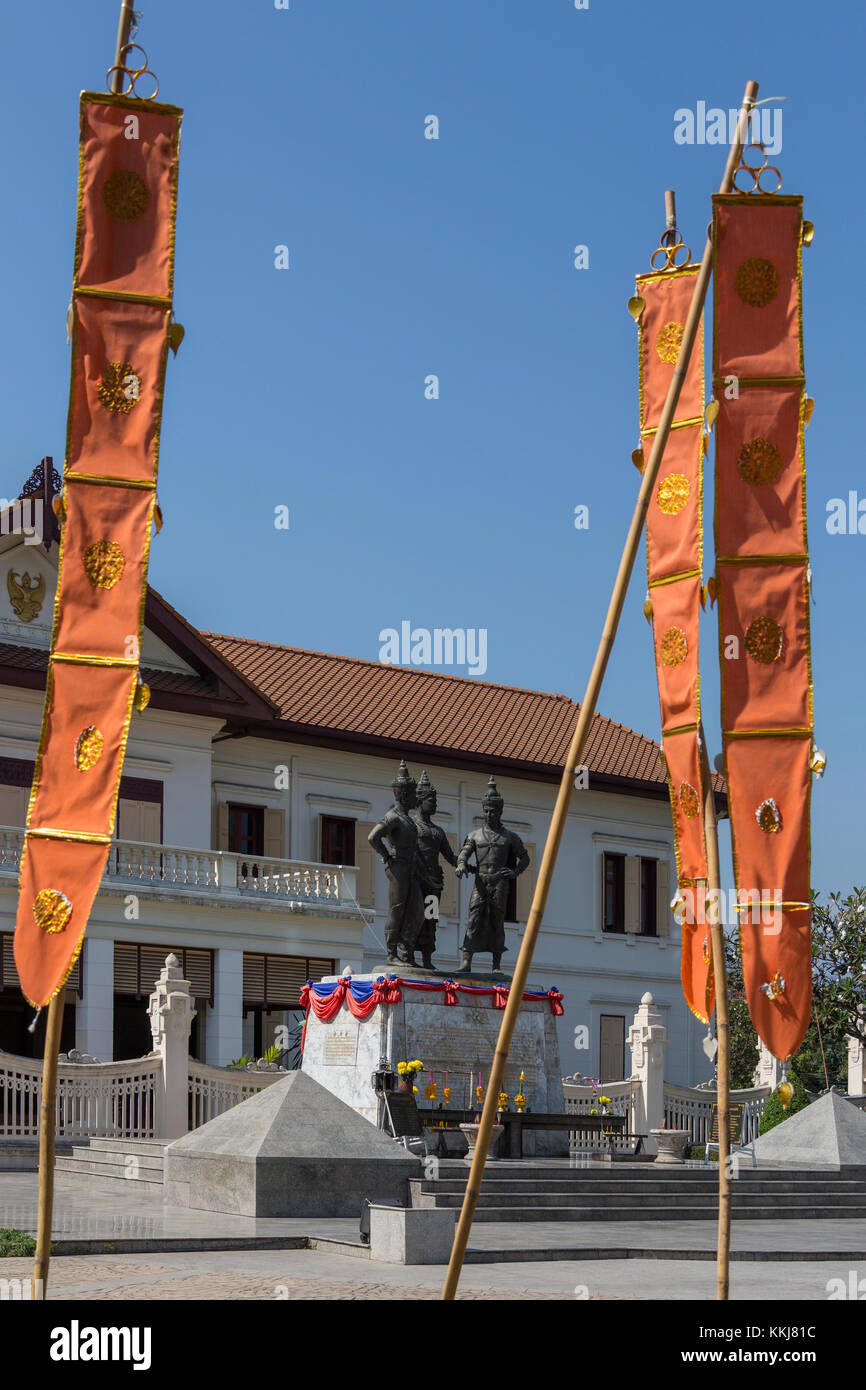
582, 1098
212, 871
213, 1090
692, 1110
94, 1099
160, 1096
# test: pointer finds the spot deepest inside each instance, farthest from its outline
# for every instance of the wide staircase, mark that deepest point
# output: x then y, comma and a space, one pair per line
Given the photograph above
533, 1192
138, 1161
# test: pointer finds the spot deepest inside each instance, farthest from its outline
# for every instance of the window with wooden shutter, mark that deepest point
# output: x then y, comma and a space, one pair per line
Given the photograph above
611, 1062
9, 973
632, 893
613, 893
275, 982
275, 834
525, 886
13, 805
664, 915
222, 828
336, 840
648, 899
448, 897
365, 859
137, 967
139, 821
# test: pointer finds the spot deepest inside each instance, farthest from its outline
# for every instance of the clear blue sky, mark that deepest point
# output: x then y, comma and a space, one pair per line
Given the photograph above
411, 256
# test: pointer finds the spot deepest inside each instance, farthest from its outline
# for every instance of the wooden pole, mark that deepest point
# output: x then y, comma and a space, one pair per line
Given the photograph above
55, 1008
46, 1145
124, 24
723, 1028
581, 732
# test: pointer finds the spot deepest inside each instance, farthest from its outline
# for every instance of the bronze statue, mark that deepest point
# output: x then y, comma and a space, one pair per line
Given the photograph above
432, 842
500, 856
395, 839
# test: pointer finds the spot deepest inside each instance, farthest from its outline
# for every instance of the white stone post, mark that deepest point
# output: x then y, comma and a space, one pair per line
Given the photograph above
856, 1068
94, 1012
225, 1030
647, 1039
171, 1014
768, 1072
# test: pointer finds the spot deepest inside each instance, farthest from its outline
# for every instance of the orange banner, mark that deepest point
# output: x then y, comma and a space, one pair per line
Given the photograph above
762, 579
674, 559
122, 286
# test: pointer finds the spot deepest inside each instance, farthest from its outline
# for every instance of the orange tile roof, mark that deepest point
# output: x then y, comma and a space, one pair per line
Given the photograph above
447, 718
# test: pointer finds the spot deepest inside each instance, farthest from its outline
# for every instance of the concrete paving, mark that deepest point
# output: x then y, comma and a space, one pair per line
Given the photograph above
138, 1220
304, 1275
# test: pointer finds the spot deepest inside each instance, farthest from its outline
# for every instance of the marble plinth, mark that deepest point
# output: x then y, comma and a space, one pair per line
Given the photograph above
459, 1039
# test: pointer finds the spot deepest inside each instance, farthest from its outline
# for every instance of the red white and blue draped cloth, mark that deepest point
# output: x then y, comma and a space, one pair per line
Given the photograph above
363, 996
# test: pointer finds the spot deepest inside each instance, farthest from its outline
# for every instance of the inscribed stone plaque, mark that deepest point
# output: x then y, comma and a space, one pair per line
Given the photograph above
340, 1047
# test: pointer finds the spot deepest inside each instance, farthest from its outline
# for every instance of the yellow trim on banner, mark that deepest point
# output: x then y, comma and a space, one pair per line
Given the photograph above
122, 296
87, 837
674, 578
143, 484
80, 659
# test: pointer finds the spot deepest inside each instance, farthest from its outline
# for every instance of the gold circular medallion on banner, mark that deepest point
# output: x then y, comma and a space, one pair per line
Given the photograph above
689, 800
757, 282
759, 462
103, 564
763, 640
769, 817
119, 387
125, 195
668, 342
51, 910
673, 493
88, 748
673, 646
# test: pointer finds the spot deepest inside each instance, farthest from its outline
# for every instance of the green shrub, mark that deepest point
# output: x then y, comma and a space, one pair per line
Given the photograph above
774, 1110
699, 1151
16, 1243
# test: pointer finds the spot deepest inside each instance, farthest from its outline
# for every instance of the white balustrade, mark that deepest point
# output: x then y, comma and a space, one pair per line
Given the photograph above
95, 1099
690, 1109
582, 1098
212, 872
213, 1090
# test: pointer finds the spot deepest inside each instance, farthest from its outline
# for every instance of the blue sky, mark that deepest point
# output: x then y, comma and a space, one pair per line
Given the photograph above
409, 257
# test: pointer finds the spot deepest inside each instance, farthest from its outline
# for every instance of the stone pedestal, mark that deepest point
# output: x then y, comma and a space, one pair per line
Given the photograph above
670, 1144
459, 1038
411, 1236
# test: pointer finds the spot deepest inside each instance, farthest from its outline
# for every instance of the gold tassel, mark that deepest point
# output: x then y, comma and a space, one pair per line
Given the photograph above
636, 306
175, 334
638, 460
711, 413
808, 407
648, 609
141, 698
157, 517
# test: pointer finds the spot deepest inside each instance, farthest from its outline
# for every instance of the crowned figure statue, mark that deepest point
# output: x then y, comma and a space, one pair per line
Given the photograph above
500, 856
395, 840
432, 842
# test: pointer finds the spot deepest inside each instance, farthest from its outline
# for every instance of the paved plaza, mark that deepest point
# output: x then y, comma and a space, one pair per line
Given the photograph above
130, 1246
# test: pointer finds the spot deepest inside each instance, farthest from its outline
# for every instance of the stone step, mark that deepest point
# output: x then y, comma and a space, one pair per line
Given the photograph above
144, 1147
629, 1192
703, 1212
782, 1203
90, 1167
120, 1159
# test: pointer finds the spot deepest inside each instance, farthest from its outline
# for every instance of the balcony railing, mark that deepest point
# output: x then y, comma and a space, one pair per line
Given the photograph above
212, 872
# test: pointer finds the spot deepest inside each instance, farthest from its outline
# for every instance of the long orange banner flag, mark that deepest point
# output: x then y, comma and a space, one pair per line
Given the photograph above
122, 326
762, 579
674, 557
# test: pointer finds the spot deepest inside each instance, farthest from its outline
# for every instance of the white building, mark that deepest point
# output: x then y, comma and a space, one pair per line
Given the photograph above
257, 772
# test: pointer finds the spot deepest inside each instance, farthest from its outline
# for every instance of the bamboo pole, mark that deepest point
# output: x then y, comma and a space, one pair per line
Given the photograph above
124, 24
46, 1145
581, 732
55, 1008
723, 1028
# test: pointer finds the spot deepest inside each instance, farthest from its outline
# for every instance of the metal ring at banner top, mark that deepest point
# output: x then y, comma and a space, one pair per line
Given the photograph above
133, 74
753, 168
769, 169
670, 245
